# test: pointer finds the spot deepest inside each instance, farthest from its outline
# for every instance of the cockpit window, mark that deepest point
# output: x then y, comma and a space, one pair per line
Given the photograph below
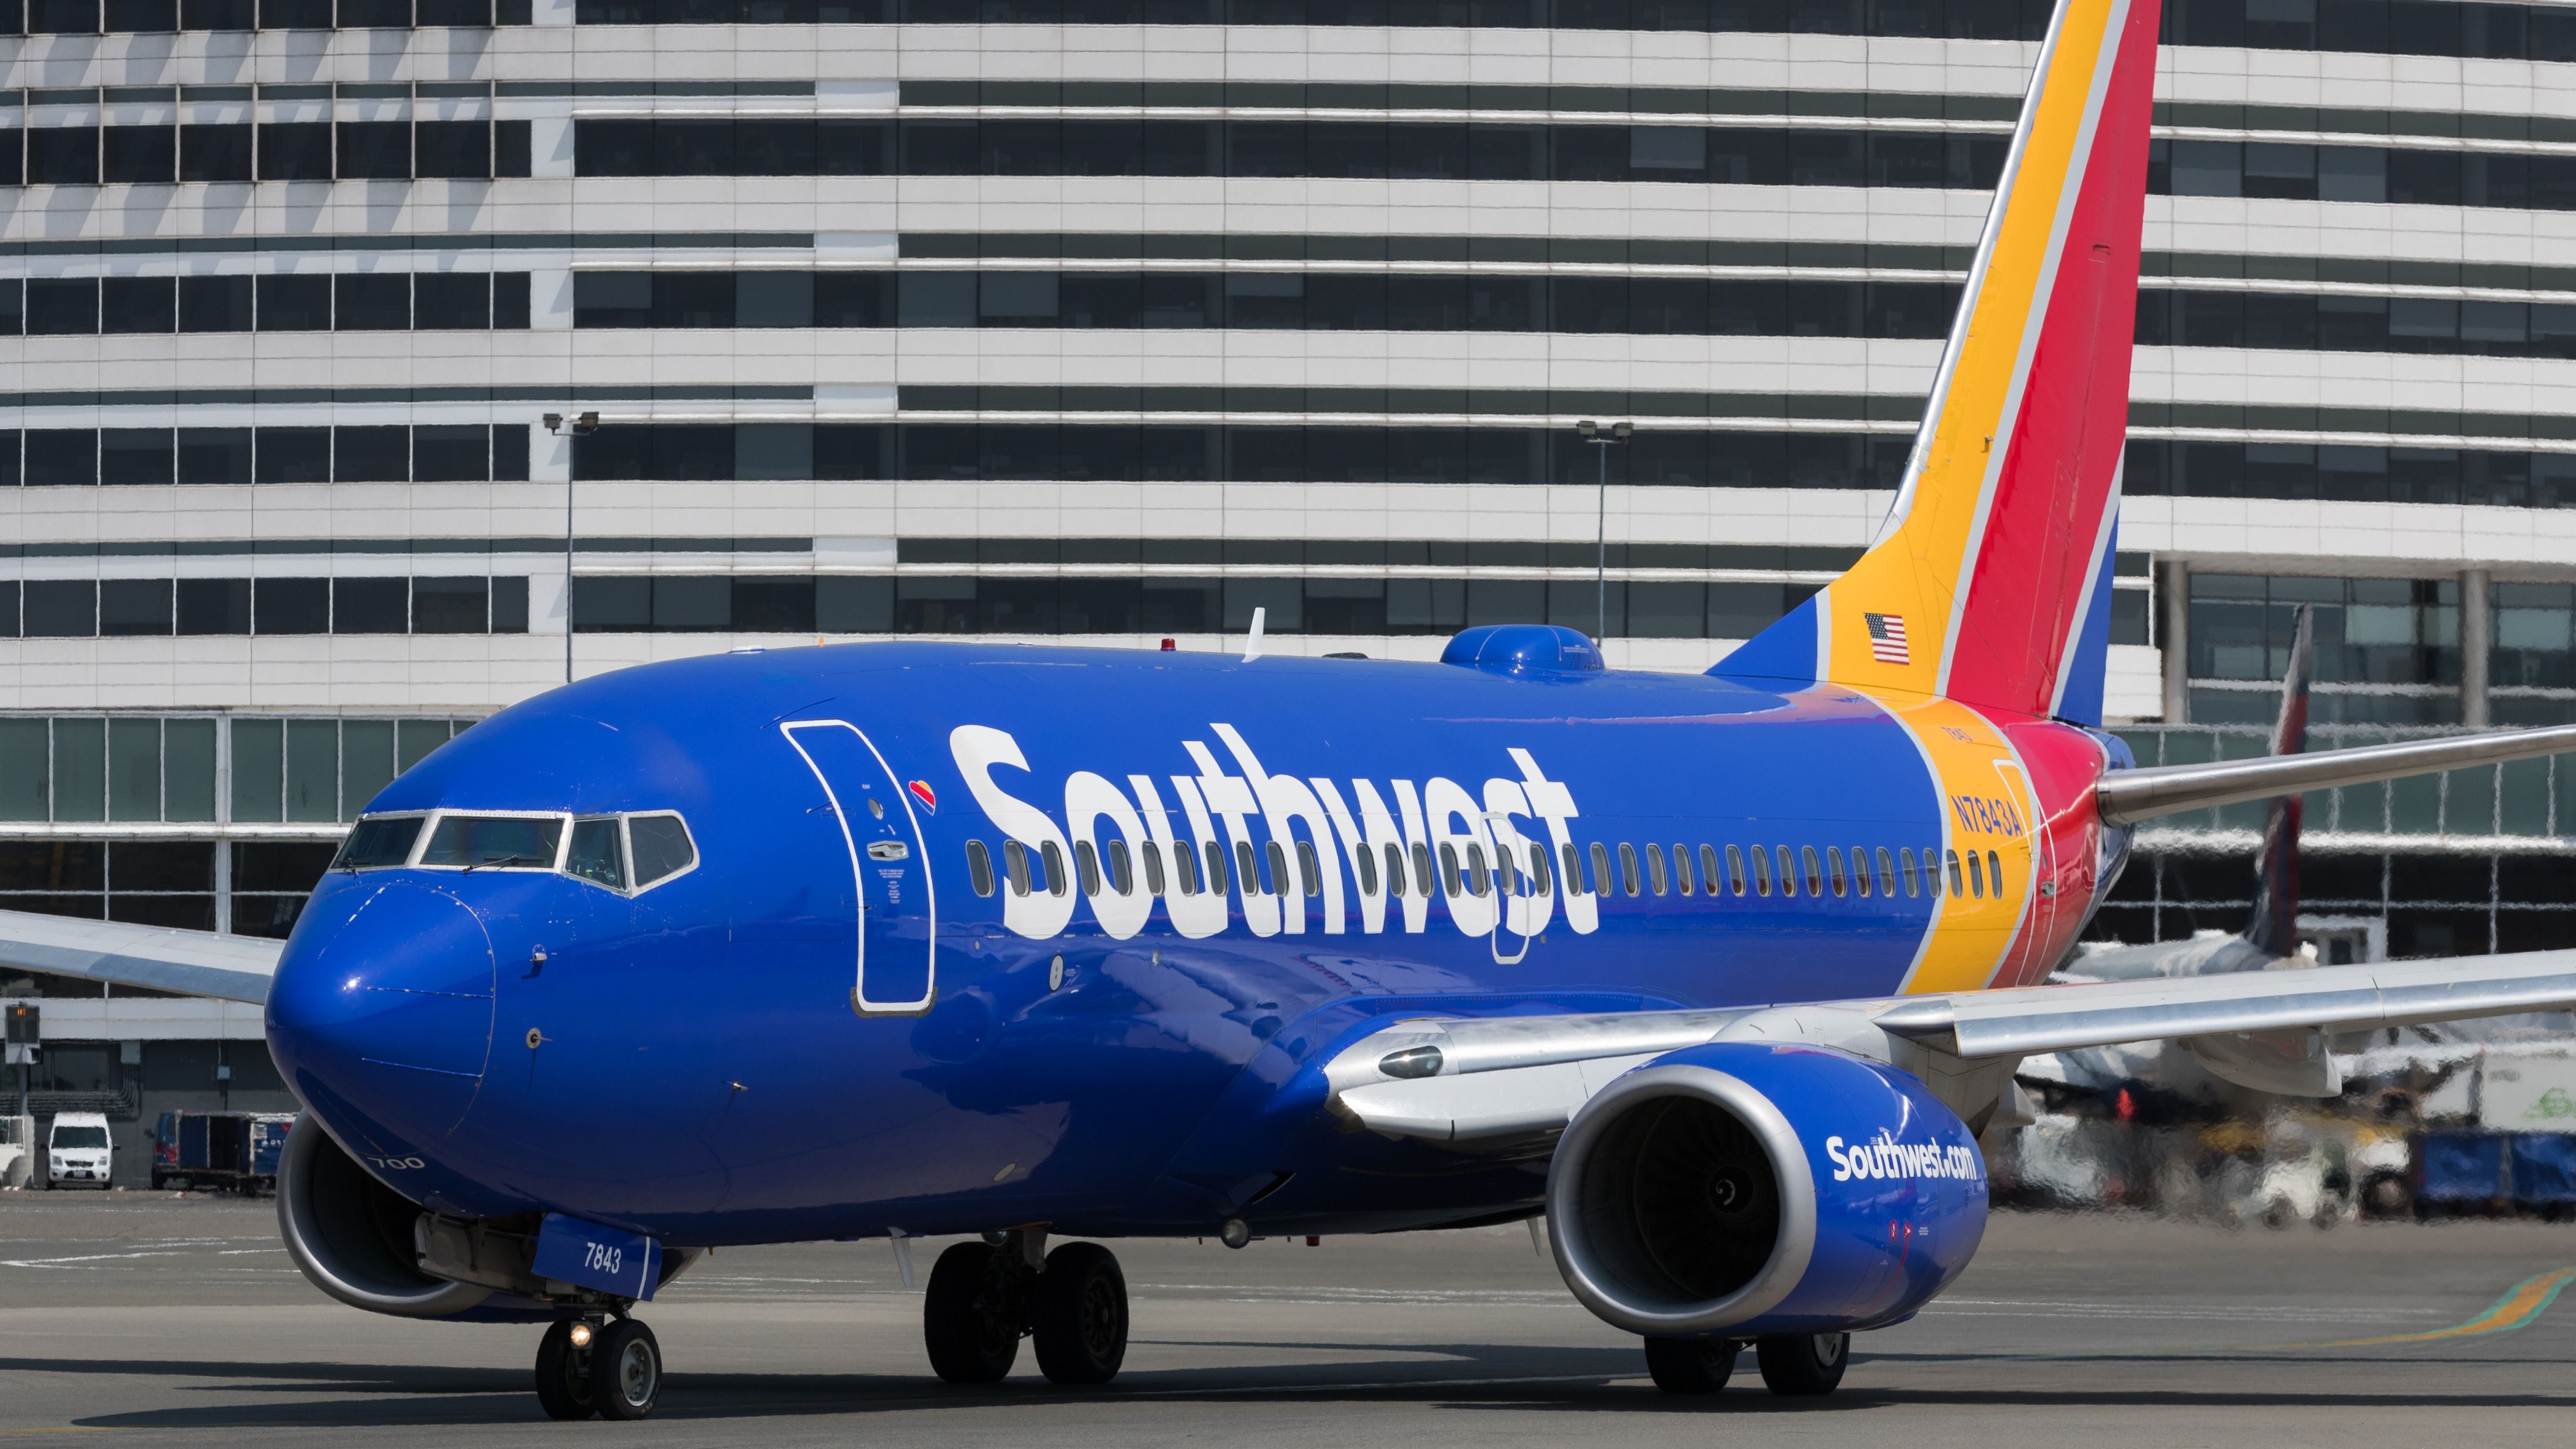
661, 847
379, 842
598, 853
494, 841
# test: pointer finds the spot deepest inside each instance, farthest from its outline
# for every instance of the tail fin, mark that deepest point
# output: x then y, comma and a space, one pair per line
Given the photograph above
1979, 584
2275, 923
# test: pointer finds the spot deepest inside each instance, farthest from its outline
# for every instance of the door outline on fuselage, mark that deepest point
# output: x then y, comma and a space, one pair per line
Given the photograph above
859, 999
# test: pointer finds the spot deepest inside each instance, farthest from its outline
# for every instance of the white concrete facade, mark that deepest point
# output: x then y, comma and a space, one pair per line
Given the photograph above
553, 224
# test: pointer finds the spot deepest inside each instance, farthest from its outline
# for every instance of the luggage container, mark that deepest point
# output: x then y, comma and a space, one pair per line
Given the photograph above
226, 1151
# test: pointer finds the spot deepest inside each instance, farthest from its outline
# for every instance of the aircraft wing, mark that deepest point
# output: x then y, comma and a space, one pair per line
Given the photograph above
1510, 1080
193, 963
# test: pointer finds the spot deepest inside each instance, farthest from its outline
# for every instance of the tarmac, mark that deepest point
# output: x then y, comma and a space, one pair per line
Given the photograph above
157, 1318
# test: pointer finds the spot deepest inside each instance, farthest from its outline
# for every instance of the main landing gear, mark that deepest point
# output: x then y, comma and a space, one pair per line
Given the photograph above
1794, 1365
586, 1366
984, 1296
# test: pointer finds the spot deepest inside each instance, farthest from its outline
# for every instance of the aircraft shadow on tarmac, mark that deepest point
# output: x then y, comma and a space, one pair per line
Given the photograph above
1469, 1377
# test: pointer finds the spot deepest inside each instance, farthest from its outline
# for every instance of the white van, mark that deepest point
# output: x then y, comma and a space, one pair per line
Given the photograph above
77, 1151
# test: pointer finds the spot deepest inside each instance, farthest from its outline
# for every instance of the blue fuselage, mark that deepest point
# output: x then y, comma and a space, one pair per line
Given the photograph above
847, 1019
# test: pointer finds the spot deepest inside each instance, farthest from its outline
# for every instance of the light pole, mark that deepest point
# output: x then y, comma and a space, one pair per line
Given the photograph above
1604, 438
583, 425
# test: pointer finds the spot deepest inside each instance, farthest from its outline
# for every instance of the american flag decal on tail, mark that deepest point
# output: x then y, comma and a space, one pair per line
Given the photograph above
1887, 638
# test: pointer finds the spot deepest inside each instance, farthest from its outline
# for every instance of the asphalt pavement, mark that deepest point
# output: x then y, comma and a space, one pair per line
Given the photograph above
154, 1318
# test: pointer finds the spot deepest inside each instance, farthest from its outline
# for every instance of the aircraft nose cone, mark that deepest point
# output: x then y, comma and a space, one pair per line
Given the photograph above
382, 1009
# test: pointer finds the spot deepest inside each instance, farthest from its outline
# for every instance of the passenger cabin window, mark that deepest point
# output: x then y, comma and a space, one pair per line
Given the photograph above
1886, 873
979, 867
1122, 871
1761, 871
1735, 872
1449, 878
379, 842
1153, 855
494, 842
1958, 883
1976, 877
598, 854
1628, 867
1815, 880
1477, 882
1905, 862
1540, 883
1995, 872
1216, 868
1788, 870
1365, 860
1601, 885
1709, 879
1834, 869
1655, 867
658, 847
1015, 864
1247, 870
1087, 867
1394, 869
1185, 869
1681, 869
1310, 871
1280, 884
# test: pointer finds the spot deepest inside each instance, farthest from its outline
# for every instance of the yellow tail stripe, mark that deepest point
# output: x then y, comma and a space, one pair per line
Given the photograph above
1917, 572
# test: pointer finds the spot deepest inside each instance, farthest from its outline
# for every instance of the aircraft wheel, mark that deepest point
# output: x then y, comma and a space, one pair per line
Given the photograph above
625, 1370
563, 1375
1802, 1364
973, 1335
1079, 1315
1690, 1365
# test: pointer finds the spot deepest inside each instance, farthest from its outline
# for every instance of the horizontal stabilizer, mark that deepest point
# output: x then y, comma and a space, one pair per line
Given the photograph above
2129, 796
192, 963
2029, 1020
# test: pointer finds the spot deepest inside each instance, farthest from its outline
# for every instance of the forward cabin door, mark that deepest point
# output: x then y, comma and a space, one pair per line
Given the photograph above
889, 869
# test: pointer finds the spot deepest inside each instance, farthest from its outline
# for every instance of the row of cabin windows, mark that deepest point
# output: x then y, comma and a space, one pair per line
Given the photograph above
1967, 874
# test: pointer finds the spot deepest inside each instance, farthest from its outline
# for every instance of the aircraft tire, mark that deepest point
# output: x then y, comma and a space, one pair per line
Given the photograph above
626, 1370
563, 1375
1690, 1365
1800, 1365
971, 1340
1079, 1315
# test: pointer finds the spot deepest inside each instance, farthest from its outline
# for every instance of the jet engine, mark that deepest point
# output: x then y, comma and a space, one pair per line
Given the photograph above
1748, 1189
354, 1236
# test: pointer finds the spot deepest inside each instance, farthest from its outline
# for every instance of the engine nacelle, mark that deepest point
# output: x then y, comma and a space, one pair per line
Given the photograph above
354, 1236
1746, 1189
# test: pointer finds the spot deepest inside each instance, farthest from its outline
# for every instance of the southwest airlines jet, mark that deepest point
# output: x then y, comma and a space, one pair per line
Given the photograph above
1724, 975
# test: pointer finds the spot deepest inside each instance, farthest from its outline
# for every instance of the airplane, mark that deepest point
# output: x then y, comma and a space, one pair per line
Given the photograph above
2222, 1071
1722, 974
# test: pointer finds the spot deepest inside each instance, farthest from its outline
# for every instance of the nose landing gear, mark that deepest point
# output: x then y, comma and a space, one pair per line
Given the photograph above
984, 1297
563, 1371
589, 1366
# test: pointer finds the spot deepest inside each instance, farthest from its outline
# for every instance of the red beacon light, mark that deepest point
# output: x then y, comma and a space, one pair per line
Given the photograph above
1169, 646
